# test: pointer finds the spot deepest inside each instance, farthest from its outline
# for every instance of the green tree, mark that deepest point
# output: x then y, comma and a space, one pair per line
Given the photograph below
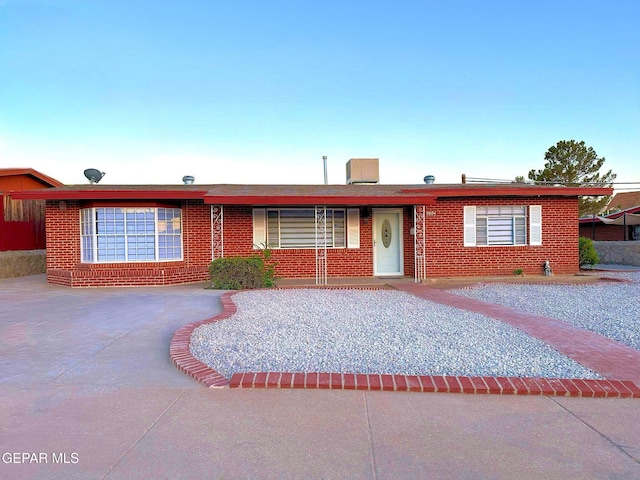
574, 164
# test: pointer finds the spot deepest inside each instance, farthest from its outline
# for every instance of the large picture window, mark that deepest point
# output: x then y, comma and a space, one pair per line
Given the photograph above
115, 234
502, 225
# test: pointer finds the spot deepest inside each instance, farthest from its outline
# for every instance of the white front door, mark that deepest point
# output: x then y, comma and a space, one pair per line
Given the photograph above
387, 242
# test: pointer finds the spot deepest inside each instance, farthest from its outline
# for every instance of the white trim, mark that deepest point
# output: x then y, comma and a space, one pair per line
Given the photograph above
259, 228
92, 212
535, 224
400, 236
469, 226
353, 228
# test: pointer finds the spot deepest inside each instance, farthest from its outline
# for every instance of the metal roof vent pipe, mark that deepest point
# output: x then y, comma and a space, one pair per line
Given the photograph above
429, 179
324, 161
188, 179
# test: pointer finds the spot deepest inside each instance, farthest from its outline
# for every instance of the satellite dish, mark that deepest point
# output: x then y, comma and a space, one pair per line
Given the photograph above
93, 175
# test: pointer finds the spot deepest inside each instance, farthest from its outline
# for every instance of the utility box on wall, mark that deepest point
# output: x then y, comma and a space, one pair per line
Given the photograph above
363, 170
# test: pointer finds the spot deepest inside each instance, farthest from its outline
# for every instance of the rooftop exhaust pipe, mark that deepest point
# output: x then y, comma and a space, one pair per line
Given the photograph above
429, 179
188, 179
324, 161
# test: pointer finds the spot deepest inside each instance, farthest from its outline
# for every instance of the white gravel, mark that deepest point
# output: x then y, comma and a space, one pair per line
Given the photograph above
370, 331
611, 309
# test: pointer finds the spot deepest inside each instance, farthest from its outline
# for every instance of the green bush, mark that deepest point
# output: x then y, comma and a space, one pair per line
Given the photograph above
239, 273
588, 254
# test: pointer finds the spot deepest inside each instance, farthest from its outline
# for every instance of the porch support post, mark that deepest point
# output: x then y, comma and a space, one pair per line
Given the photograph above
321, 245
217, 230
419, 243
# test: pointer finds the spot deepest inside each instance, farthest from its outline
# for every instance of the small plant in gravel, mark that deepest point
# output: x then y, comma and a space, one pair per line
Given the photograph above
588, 254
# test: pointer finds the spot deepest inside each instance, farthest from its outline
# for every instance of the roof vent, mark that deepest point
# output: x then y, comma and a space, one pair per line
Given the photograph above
429, 179
363, 170
188, 179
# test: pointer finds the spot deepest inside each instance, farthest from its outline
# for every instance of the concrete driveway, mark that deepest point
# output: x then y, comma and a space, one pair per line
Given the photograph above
87, 391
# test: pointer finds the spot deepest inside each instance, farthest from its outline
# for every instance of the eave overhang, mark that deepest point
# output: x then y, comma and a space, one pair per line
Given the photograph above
279, 200
515, 190
160, 194
303, 194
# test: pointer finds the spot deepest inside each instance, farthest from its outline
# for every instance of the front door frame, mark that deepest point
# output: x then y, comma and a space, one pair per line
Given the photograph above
399, 236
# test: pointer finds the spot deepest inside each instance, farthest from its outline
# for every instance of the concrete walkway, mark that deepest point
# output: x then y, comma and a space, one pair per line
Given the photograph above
87, 391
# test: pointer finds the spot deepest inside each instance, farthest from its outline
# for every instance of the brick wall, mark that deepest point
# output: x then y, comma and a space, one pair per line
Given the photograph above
447, 256
300, 262
64, 266
607, 233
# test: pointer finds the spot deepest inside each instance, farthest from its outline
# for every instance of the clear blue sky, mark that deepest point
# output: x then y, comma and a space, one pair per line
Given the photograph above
257, 91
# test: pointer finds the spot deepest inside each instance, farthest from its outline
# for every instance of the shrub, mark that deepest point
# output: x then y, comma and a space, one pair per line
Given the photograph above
588, 254
238, 273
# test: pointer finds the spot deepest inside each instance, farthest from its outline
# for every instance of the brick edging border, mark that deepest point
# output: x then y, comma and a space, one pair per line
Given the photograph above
438, 383
184, 361
180, 353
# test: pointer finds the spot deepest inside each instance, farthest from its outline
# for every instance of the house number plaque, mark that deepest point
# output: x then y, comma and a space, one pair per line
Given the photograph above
386, 233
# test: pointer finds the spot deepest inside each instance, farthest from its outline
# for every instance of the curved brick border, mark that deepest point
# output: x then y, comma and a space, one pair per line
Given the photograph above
185, 362
180, 353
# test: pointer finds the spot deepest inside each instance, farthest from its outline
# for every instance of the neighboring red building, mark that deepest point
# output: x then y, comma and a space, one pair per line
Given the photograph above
620, 224
100, 235
22, 222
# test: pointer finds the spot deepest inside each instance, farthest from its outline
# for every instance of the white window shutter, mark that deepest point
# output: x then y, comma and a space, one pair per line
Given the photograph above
353, 228
259, 228
535, 224
469, 226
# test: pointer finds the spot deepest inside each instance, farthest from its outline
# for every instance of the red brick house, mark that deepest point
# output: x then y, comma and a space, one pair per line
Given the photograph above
622, 223
166, 234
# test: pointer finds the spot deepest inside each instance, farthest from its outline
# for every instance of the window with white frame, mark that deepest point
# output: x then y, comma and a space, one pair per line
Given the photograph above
296, 228
502, 225
138, 234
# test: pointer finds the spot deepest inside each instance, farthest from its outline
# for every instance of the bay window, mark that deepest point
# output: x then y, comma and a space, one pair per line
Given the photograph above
131, 234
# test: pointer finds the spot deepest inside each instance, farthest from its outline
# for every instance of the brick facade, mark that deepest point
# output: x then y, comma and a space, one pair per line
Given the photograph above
607, 233
446, 254
64, 265
448, 257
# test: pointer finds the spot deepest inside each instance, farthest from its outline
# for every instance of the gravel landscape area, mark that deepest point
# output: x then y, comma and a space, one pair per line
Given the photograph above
611, 309
370, 331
